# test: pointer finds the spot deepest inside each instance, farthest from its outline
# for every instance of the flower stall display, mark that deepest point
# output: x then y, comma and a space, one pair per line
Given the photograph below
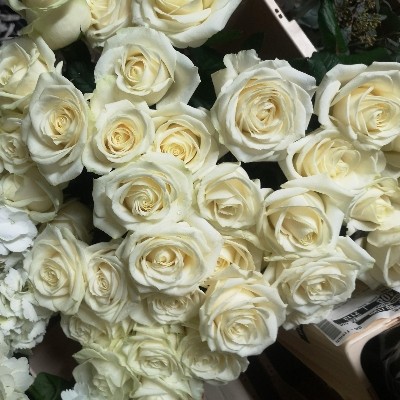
144, 221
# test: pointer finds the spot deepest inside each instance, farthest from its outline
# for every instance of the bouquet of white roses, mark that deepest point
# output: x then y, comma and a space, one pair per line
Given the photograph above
192, 265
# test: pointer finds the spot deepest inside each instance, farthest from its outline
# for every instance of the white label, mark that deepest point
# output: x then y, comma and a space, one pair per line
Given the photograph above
359, 311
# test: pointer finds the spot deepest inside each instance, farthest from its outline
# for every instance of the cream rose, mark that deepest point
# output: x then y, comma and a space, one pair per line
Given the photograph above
376, 206
22, 60
241, 313
186, 23
14, 154
56, 266
59, 22
157, 189
331, 155
107, 292
107, 18
122, 133
298, 221
140, 64
363, 102
228, 198
261, 106
214, 367
188, 134
311, 286
384, 246
172, 259
102, 375
30, 192
56, 128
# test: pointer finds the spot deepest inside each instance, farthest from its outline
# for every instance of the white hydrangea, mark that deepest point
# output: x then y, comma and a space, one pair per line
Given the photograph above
17, 231
23, 322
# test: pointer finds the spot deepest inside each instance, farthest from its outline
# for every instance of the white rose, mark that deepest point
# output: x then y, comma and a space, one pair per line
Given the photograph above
384, 246
298, 220
241, 313
156, 189
103, 375
188, 134
15, 378
107, 292
122, 133
331, 155
56, 266
30, 192
376, 206
56, 128
22, 60
140, 64
14, 154
392, 155
107, 18
228, 198
77, 217
261, 106
169, 389
214, 367
60, 23
168, 309
186, 23
363, 102
171, 258
311, 286
17, 231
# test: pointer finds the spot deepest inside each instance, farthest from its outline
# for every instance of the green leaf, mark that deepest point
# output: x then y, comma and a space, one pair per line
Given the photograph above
331, 33
225, 36
366, 57
78, 66
47, 387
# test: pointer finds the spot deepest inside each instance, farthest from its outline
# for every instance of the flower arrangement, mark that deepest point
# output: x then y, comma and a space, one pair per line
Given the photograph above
141, 217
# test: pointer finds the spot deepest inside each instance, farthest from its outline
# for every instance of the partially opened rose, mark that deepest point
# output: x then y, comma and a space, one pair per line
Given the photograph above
312, 285
363, 102
56, 128
14, 154
186, 23
241, 313
140, 64
261, 106
156, 189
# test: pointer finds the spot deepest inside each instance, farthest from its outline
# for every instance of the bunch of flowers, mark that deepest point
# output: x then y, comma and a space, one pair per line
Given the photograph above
194, 265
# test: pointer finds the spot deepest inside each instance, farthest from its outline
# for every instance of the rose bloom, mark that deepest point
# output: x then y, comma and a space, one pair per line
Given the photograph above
17, 231
156, 189
228, 198
186, 23
22, 60
171, 258
376, 206
312, 285
59, 22
363, 102
107, 292
56, 128
331, 155
122, 133
101, 376
31, 193
107, 18
14, 154
140, 64
384, 246
241, 313
188, 134
214, 367
261, 106
298, 220
56, 266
